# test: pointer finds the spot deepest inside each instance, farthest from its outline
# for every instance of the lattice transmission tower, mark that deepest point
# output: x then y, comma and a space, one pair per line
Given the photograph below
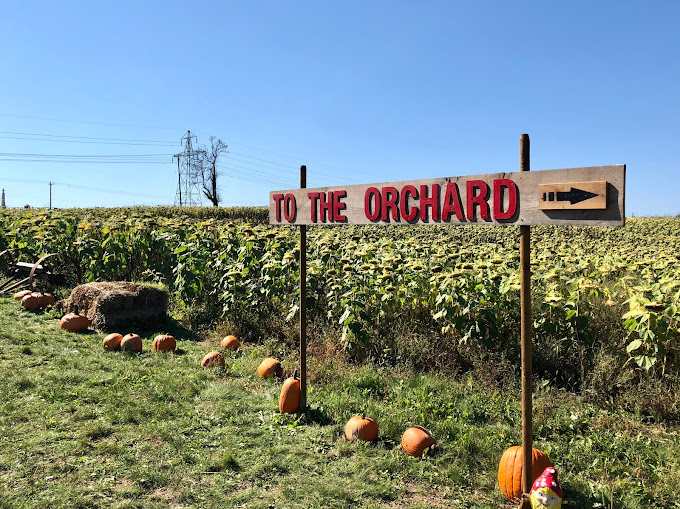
189, 173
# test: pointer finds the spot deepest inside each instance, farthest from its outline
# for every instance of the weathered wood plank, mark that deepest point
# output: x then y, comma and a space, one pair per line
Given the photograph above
498, 198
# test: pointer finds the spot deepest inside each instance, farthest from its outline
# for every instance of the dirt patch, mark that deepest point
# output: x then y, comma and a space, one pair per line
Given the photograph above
413, 494
168, 495
119, 305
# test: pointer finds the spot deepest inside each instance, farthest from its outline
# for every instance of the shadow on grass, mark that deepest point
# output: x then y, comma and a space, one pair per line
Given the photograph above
579, 500
316, 416
86, 332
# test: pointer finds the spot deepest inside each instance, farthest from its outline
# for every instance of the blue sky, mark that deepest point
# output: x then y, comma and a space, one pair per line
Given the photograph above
359, 91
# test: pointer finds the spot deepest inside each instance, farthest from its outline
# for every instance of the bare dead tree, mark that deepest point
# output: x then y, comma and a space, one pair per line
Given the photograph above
209, 171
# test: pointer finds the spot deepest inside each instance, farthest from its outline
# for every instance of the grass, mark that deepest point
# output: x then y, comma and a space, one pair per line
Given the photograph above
82, 427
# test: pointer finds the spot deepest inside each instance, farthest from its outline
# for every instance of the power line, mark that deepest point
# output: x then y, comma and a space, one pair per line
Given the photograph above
342, 181
254, 179
16, 154
176, 129
89, 137
87, 142
288, 166
84, 188
259, 173
259, 159
279, 175
262, 178
91, 123
82, 161
115, 191
85, 158
287, 156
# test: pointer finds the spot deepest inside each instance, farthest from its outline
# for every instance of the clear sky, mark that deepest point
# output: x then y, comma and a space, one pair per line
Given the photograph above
96, 96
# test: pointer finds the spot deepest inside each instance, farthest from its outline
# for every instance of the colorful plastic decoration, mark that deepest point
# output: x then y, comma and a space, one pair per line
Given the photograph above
546, 491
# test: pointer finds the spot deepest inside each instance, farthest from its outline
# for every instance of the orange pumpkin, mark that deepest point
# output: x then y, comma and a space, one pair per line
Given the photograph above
289, 400
112, 341
20, 295
47, 300
361, 427
164, 343
213, 360
269, 368
415, 440
230, 343
32, 300
74, 322
510, 470
131, 343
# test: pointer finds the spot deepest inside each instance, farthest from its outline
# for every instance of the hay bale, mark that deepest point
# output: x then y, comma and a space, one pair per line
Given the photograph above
119, 305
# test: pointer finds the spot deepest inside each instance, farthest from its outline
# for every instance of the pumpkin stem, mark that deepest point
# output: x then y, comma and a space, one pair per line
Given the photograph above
295, 375
75, 309
363, 415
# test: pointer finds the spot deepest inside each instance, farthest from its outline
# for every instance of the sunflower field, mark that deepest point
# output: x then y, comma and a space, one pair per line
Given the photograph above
431, 297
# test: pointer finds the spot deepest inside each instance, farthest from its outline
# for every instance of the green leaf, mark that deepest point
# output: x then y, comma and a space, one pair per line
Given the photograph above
633, 345
345, 316
645, 361
293, 311
181, 249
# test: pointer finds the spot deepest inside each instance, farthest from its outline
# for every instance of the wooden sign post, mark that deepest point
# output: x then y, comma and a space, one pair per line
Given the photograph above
576, 196
525, 334
303, 303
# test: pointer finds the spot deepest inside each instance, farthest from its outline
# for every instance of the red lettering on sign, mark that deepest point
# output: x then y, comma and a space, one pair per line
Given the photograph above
390, 196
277, 203
498, 186
314, 197
372, 192
477, 199
452, 203
406, 213
339, 206
432, 202
289, 207
325, 206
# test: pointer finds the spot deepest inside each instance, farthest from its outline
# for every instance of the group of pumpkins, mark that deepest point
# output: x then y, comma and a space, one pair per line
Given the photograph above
34, 300
133, 343
360, 427
414, 441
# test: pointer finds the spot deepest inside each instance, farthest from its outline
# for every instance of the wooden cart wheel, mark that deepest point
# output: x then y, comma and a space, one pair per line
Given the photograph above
31, 282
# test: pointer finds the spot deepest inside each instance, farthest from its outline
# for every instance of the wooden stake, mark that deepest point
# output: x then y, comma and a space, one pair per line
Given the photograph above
303, 302
525, 297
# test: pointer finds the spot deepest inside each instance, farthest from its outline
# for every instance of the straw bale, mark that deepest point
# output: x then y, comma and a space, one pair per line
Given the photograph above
120, 304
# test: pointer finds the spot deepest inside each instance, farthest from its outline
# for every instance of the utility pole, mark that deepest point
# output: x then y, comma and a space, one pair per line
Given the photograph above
179, 181
188, 173
51, 184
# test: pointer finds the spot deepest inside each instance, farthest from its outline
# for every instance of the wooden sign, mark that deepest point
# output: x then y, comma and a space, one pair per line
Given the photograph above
575, 196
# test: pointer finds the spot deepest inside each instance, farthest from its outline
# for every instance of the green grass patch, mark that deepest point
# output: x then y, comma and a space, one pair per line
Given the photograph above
83, 427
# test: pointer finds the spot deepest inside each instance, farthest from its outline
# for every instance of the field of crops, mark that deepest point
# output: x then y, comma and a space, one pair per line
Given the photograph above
430, 297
